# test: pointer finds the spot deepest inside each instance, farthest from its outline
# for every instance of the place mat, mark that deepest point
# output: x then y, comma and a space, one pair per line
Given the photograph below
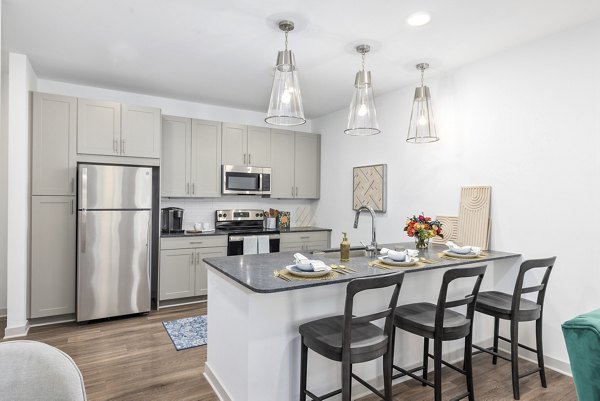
447, 257
380, 264
331, 275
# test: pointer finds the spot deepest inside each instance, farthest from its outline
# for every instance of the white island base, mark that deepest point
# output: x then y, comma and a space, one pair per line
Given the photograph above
254, 345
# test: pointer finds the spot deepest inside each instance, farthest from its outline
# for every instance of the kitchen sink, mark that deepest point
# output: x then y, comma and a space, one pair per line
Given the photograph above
335, 253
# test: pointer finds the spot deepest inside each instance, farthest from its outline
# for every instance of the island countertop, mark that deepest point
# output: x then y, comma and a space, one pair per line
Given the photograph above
255, 272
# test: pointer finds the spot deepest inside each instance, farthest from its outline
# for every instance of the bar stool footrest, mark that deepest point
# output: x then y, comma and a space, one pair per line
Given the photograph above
460, 397
323, 397
367, 385
489, 351
410, 373
529, 373
459, 370
508, 340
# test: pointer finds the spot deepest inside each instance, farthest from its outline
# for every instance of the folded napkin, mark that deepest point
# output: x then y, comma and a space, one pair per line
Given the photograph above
399, 256
303, 263
463, 249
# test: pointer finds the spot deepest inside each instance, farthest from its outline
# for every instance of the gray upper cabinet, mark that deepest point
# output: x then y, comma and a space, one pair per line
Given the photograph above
206, 159
140, 131
175, 160
282, 164
307, 160
98, 127
234, 144
246, 146
112, 129
259, 147
295, 163
53, 144
191, 158
53, 256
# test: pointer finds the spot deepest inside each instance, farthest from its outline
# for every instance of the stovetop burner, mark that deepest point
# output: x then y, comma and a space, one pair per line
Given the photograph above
237, 221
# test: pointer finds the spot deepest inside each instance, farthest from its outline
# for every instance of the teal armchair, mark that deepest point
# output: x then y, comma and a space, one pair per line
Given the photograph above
582, 335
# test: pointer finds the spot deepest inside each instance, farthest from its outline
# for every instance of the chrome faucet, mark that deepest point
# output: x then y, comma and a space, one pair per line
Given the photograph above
371, 249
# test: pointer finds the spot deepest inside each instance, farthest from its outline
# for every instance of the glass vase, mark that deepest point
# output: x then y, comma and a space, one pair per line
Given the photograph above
421, 243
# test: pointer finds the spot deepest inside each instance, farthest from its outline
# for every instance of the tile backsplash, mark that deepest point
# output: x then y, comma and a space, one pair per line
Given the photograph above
203, 210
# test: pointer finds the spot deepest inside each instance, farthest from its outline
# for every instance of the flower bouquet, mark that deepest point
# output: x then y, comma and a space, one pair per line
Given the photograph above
423, 228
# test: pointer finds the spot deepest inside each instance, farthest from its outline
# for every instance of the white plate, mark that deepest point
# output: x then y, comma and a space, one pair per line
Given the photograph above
471, 255
301, 273
388, 261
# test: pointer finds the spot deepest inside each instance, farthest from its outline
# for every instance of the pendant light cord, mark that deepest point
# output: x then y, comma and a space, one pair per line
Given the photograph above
286, 40
422, 77
363, 61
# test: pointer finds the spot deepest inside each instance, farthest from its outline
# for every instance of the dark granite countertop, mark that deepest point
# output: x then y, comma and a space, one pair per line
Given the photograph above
255, 272
223, 232
304, 229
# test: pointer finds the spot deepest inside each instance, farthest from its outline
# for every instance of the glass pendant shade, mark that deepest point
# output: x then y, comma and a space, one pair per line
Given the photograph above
421, 128
285, 107
362, 117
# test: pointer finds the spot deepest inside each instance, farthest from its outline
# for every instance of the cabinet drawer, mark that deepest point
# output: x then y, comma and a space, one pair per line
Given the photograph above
193, 242
312, 236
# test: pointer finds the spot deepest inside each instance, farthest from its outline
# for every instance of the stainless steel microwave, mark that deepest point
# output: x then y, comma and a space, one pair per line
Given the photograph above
245, 180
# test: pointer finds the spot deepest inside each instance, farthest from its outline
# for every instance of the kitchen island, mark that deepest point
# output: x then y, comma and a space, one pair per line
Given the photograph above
253, 319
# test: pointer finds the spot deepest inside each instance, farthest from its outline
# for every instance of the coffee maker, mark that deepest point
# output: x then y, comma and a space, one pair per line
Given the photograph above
171, 220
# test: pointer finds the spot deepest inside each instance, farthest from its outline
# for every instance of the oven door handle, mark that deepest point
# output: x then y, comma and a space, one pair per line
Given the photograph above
236, 238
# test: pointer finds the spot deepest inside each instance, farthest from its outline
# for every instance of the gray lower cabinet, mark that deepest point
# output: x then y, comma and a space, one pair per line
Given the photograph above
182, 269
305, 241
53, 256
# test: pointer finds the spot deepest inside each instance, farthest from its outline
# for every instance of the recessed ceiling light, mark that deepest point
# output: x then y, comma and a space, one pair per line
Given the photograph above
418, 19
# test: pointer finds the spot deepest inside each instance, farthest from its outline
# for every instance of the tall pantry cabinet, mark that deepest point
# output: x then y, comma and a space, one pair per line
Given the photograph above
53, 208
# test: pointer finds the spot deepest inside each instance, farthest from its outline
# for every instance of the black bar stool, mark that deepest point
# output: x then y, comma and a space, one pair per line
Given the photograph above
516, 309
353, 339
440, 323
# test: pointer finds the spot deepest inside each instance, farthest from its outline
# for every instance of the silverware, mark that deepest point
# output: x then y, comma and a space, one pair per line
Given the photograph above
347, 268
279, 275
429, 261
338, 269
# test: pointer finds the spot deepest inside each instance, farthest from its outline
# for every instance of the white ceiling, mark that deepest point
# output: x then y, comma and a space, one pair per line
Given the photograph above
222, 51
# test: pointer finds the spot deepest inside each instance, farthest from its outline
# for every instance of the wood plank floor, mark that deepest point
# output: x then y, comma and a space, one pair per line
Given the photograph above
134, 359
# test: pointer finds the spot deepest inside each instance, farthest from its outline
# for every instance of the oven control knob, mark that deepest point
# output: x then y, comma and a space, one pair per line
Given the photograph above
256, 214
224, 214
261, 215
220, 215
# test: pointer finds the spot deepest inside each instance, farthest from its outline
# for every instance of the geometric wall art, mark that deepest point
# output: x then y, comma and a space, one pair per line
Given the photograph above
449, 229
370, 187
474, 216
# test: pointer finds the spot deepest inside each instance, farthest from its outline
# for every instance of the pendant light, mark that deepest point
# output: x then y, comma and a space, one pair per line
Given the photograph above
422, 125
285, 107
362, 117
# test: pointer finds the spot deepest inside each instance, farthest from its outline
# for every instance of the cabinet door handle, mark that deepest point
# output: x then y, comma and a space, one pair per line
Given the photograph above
187, 188
244, 158
193, 188
196, 242
307, 237
72, 207
296, 192
115, 146
192, 259
122, 146
249, 159
292, 191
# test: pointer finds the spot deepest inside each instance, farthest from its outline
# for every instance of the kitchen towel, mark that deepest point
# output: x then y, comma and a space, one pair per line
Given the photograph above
263, 244
250, 245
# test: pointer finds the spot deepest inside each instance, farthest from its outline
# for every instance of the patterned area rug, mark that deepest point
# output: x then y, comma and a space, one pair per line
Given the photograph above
187, 333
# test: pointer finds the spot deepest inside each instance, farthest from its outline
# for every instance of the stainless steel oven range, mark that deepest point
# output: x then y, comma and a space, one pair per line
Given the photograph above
240, 223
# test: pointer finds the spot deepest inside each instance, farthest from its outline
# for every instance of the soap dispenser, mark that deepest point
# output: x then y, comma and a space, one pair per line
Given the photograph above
345, 249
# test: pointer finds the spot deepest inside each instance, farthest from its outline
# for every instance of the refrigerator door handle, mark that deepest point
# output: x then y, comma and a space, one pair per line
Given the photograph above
82, 231
84, 177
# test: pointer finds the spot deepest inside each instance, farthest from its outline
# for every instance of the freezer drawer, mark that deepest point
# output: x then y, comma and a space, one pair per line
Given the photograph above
114, 187
112, 263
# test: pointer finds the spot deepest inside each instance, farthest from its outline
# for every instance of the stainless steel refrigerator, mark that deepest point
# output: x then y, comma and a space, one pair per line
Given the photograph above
114, 212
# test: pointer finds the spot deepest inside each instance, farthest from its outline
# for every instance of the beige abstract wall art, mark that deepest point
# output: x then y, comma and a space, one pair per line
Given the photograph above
474, 216
370, 187
449, 229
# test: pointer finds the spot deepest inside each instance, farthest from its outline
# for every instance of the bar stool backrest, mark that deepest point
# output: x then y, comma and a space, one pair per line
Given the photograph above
548, 264
469, 299
370, 283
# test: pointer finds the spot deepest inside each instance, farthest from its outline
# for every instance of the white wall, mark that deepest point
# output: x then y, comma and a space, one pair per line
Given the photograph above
169, 106
22, 80
3, 173
525, 121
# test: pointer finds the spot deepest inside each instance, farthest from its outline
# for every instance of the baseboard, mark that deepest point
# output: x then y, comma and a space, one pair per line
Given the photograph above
214, 382
14, 332
182, 302
554, 364
2, 312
